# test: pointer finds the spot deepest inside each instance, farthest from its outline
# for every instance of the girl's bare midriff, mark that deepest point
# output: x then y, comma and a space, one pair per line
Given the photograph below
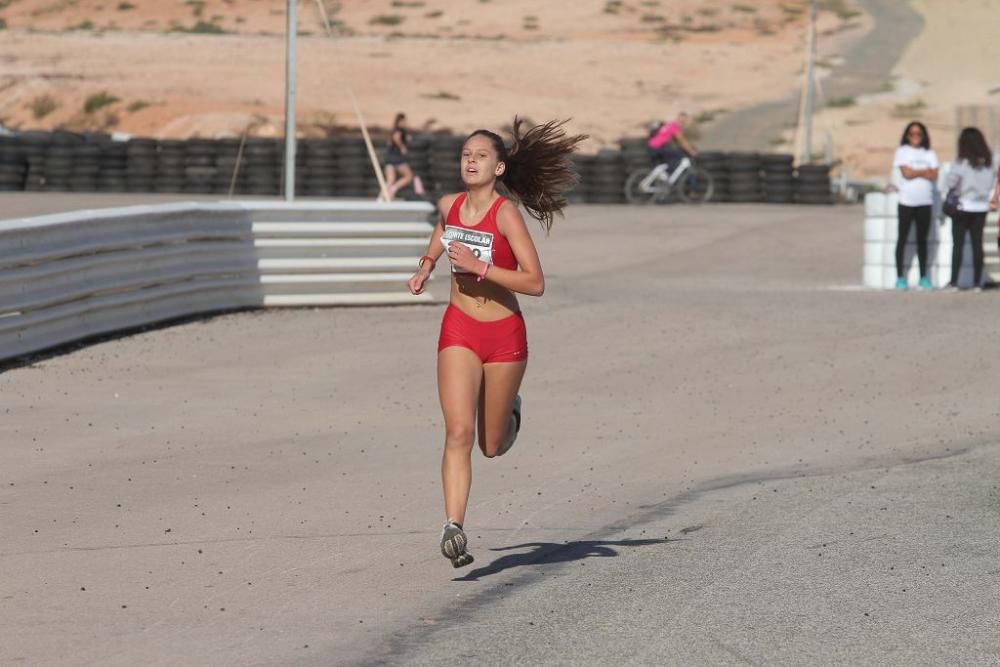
482, 300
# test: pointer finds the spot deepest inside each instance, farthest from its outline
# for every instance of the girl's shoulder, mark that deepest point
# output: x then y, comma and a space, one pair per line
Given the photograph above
446, 202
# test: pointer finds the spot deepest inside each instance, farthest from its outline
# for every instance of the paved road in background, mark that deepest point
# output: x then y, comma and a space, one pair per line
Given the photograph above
729, 456
866, 68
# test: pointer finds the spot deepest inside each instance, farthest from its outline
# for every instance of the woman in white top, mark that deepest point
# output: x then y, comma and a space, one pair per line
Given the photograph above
972, 176
915, 171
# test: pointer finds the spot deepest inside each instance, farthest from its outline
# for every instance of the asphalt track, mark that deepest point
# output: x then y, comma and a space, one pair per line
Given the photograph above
729, 456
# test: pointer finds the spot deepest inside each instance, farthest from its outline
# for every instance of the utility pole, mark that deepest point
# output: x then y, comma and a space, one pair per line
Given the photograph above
810, 95
290, 85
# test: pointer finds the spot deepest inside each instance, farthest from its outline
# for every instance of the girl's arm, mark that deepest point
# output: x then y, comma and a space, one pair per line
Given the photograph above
929, 174
529, 279
434, 248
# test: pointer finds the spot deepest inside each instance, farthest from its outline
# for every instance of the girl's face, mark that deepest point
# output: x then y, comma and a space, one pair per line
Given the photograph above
480, 164
914, 135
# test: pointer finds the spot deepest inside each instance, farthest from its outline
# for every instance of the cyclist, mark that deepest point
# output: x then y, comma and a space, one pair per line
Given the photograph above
667, 144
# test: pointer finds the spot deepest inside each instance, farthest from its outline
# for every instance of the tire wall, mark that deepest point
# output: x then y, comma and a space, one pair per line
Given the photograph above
340, 167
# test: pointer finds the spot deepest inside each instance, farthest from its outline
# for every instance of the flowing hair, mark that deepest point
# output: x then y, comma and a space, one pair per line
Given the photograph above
539, 170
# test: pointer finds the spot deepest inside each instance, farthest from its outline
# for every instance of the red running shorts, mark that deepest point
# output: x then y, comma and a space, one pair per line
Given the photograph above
500, 341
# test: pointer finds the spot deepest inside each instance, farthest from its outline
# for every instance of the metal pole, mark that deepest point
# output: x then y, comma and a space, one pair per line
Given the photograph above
810, 86
290, 102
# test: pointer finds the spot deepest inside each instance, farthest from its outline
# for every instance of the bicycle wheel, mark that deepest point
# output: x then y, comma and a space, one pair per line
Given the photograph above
634, 192
696, 186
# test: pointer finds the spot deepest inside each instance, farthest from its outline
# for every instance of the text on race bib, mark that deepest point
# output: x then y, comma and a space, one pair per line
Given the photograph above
480, 243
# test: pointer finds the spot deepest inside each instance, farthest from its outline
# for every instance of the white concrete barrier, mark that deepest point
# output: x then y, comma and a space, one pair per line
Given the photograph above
72, 275
882, 230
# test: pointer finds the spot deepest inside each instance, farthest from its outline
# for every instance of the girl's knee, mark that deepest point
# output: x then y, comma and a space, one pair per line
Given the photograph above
494, 442
459, 437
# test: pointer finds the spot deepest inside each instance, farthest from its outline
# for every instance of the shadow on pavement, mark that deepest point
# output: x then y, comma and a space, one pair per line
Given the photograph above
554, 552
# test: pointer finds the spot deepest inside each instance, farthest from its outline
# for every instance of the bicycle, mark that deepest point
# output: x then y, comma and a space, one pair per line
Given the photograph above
656, 185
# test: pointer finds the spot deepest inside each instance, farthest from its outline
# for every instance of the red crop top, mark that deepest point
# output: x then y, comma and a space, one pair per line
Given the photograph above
483, 238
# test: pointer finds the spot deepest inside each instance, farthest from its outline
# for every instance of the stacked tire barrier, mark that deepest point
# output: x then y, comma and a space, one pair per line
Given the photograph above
714, 162
812, 184
13, 168
341, 167
745, 177
779, 179
72, 275
602, 180
445, 153
882, 230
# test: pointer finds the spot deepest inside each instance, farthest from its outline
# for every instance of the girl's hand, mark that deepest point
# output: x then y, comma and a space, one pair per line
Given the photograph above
417, 281
463, 259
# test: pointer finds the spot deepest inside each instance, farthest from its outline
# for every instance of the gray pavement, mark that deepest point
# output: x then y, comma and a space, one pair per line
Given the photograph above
262, 488
892, 565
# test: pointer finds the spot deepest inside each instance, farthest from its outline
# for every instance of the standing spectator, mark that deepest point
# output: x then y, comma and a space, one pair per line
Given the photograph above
398, 173
972, 177
914, 173
668, 143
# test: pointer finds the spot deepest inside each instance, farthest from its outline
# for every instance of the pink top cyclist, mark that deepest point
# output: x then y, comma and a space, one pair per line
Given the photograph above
663, 145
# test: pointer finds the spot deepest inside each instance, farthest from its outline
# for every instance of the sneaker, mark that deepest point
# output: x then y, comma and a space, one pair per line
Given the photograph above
453, 544
951, 287
901, 284
925, 283
516, 410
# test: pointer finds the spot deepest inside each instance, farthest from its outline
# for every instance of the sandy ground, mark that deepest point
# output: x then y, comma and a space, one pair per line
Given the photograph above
263, 488
460, 65
614, 67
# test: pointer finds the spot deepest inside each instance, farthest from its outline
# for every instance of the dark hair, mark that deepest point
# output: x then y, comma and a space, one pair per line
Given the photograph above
972, 147
395, 123
538, 168
925, 143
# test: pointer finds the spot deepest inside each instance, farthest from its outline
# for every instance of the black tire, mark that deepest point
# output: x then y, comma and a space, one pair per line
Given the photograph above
696, 186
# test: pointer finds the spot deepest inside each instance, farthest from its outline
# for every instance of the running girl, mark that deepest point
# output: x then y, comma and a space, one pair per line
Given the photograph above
483, 346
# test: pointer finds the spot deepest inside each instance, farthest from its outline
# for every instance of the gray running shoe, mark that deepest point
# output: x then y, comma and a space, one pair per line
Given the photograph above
453, 544
517, 425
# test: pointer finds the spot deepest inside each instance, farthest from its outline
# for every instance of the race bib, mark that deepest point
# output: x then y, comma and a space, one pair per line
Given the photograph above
480, 243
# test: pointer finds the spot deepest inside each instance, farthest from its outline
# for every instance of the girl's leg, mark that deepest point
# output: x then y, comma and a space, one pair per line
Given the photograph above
905, 214
390, 179
460, 376
405, 177
958, 227
923, 218
976, 223
496, 402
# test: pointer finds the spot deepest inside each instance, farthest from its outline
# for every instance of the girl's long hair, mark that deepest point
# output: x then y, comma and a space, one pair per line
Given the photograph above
973, 148
538, 167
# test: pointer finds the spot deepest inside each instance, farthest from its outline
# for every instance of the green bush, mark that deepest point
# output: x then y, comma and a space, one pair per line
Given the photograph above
387, 19
43, 105
99, 101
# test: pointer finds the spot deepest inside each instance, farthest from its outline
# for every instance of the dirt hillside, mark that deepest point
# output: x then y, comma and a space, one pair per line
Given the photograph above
177, 68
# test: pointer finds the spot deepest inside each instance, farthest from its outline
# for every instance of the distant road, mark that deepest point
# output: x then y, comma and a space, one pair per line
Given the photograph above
867, 66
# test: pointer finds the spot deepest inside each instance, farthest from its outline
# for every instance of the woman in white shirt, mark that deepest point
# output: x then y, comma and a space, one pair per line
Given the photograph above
915, 171
972, 176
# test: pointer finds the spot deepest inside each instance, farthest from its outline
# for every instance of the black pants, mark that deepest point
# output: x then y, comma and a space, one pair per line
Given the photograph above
907, 214
666, 154
974, 223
